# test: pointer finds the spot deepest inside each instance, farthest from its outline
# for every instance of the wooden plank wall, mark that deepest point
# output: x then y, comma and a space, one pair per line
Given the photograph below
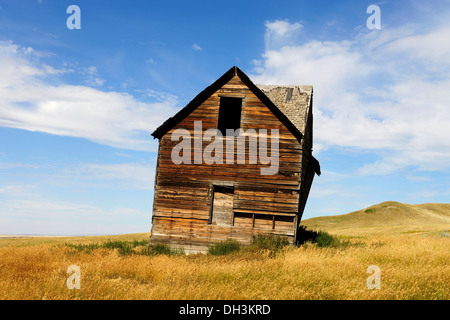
182, 202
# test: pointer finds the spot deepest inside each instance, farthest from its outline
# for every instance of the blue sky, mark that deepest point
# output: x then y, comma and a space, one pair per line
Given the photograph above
77, 106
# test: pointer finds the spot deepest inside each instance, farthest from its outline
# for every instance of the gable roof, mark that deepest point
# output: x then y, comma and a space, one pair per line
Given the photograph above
289, 103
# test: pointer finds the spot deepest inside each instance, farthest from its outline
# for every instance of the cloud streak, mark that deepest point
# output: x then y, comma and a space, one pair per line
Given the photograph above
111, 118
382, 91
134, 176
281, 32
29, 216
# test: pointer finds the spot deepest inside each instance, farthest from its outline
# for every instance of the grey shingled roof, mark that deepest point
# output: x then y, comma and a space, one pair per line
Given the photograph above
293, 101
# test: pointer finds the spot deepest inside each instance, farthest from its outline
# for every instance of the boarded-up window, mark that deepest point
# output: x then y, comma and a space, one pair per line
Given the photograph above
243, 219
263, 221
222, 206
284, 223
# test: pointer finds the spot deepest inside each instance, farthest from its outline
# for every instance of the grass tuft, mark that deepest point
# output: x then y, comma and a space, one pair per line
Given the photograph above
160, 248
224, 247
269, 242
124, 247
324, 239
266, 242
321, 238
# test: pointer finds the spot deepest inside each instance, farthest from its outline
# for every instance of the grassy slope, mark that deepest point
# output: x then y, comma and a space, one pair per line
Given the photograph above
27, 241
412, 266
386, 218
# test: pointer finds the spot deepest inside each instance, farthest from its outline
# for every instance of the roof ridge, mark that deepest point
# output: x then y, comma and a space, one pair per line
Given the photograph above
290, 116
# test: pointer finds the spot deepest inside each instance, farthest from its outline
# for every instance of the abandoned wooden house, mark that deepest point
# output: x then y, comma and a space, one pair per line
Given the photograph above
201, 199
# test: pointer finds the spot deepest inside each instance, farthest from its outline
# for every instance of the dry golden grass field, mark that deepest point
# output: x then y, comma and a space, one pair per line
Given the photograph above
413, 260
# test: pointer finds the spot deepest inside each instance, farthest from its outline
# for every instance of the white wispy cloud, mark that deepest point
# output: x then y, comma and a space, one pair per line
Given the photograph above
281, 32
136, 176
196, 47
31, 216
24, 190
384, 91
19, 165
30, 102
93, 78
25, 206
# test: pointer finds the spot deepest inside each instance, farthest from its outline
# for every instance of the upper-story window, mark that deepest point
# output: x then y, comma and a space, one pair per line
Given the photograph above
229, 114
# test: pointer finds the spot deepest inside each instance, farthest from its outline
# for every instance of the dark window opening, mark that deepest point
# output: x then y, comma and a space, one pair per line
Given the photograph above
229, 114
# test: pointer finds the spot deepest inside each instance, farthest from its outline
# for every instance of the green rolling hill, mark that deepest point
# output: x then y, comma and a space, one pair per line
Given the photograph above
388, 217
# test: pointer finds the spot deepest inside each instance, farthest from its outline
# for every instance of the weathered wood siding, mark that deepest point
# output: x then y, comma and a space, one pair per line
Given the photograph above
261, 203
